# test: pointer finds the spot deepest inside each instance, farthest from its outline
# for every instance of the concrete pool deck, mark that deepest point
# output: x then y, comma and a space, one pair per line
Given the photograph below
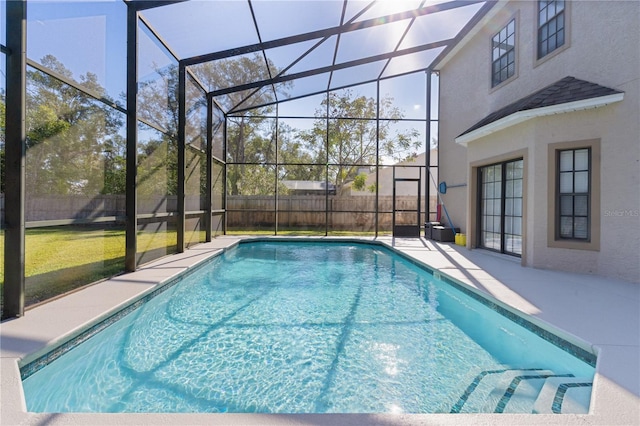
592, 311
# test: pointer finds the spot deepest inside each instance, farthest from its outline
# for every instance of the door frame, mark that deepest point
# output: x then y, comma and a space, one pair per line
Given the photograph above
478, 190
407, 231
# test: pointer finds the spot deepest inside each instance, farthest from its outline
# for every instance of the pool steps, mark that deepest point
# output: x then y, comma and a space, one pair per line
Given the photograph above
527, 390
564, 395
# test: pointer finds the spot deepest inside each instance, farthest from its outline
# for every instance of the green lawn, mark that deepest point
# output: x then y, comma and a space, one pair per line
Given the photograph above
51, 249
60, 259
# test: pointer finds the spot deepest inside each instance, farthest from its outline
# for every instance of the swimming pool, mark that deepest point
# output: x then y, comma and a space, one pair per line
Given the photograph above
310, 327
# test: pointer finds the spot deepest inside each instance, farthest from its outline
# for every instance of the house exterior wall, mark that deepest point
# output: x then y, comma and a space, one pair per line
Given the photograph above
385, 178
602, 47
404, 190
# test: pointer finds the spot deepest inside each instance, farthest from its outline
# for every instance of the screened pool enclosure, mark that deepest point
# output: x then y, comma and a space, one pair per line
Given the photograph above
136, 129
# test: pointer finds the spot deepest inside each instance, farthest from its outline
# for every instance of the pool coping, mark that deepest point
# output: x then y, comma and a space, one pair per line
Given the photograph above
615, 399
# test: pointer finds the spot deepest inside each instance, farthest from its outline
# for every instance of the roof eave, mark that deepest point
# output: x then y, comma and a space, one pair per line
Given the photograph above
521, 116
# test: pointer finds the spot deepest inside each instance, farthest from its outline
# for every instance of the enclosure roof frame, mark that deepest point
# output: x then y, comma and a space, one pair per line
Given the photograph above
321, 34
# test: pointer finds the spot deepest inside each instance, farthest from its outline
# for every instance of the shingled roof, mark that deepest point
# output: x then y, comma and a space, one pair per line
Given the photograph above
569, 89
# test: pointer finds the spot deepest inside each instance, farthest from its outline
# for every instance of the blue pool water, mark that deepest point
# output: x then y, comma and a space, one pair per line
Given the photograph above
298, 328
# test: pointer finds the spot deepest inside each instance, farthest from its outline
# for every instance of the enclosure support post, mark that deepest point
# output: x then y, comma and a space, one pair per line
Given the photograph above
393, 203
15, 156
377, 155
427, 157
182, 119
132, 141
209, 172
275, 190
326, 176
224, 176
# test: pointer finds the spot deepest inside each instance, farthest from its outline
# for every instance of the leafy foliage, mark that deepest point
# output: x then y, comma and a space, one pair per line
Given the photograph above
72, 140
359, 182
249, 134
76, 145
354, 136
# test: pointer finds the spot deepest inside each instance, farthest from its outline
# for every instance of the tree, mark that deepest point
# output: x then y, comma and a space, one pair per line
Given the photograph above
352, 132
68, 134
359, 182
250, 136
115, 175
297, 159
157, 158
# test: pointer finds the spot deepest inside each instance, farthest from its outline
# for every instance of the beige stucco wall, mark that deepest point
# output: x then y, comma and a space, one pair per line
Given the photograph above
603, 49
385, 178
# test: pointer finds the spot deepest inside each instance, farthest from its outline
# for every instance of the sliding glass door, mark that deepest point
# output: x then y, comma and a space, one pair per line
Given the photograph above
500, 207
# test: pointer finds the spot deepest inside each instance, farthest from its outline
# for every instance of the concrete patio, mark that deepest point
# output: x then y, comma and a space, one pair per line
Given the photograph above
587, 310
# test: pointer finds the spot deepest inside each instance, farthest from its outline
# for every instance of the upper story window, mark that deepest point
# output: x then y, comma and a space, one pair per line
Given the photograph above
551, 26
574, 191
503, 54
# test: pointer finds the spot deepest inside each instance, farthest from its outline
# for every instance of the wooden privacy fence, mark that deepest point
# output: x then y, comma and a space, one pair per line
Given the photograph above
65, 207
341, 212
354, 213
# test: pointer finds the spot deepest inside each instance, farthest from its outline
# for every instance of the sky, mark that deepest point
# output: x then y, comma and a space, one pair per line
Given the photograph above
84, 36
90, 36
